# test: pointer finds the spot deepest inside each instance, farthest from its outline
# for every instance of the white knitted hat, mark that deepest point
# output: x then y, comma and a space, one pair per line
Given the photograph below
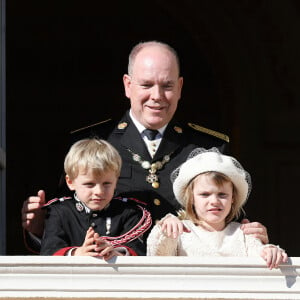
201, 160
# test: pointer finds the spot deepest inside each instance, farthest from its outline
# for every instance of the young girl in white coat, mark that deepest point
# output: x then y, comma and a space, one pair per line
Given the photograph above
212, 188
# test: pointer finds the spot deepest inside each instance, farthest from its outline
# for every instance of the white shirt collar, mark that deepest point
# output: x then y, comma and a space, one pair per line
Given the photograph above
141, 127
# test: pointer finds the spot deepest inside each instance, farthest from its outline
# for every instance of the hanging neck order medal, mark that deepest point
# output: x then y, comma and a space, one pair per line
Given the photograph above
152, 177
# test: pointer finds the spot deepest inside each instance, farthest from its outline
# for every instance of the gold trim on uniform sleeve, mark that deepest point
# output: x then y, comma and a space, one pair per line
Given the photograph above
89, 126
217, 134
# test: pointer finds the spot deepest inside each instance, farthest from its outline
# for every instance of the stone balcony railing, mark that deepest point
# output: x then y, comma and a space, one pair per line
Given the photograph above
48, 277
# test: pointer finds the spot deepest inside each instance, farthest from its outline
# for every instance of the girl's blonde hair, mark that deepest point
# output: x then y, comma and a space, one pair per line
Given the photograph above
95, 154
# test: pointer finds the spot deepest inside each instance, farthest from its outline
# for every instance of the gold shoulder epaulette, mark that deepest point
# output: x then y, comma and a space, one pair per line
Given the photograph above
89, 126
211, 132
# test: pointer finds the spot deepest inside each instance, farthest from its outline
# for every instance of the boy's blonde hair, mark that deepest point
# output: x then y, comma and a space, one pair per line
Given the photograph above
95, 154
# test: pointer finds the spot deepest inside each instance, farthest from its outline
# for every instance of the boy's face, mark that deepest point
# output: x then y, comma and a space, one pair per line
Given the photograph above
212, 202
95, 192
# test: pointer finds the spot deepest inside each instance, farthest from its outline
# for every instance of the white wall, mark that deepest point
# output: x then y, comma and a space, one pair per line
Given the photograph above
147, 277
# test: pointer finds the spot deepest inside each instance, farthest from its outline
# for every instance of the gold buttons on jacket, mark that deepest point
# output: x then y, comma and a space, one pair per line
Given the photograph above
155, 185
156, 201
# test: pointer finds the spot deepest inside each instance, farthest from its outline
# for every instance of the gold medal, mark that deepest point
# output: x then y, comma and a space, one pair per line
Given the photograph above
151, 178
155, 185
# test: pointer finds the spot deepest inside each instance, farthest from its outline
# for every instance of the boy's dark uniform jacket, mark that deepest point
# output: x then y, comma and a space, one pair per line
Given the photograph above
123, 223
178, 141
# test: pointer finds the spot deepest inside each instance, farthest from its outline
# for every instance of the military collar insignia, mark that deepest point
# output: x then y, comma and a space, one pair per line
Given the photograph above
178, 129
122, 125
79, 207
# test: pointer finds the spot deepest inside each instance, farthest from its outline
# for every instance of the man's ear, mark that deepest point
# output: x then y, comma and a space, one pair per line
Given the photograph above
127, 84
180, 84
69, 182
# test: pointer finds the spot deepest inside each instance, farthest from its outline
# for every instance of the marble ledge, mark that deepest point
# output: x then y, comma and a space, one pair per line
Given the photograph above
48, 277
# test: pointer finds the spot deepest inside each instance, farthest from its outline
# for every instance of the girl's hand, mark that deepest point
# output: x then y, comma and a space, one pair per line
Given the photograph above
171, 226
273, 255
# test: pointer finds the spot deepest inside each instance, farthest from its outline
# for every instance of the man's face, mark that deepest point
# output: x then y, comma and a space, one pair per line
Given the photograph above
154, 87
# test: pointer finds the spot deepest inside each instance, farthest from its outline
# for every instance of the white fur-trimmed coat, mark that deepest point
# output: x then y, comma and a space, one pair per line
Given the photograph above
199, 242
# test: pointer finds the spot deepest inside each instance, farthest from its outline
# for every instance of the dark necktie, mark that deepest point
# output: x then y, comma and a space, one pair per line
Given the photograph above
150, 134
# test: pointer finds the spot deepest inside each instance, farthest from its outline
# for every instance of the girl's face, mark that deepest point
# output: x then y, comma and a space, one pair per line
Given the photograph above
212, 203
95, 192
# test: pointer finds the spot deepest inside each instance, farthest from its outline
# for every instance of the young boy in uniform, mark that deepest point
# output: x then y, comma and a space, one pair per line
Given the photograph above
93, 222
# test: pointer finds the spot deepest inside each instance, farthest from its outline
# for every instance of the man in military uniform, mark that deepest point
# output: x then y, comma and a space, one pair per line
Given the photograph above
151, 143
147, 177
